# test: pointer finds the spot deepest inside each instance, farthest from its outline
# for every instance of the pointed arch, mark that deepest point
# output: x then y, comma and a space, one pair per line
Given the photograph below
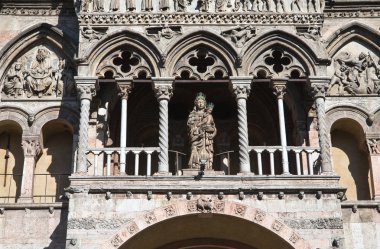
119, 39
35, 35
253, 216
313, 60
225, 52
353, 31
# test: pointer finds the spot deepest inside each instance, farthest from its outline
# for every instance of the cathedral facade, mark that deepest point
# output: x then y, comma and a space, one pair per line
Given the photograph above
178, 124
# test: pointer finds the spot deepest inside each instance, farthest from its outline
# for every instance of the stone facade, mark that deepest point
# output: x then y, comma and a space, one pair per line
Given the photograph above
96, 136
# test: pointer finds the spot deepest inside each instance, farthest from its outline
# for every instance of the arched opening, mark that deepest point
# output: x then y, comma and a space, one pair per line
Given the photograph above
205, 232
11, 161
54, 165
350, 158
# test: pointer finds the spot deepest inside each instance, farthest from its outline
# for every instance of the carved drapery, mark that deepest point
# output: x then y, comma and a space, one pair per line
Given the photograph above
318, 91
200, 63
163, 89
277, 63
241, 89
124, 64
86, 87
355, 74
41, 72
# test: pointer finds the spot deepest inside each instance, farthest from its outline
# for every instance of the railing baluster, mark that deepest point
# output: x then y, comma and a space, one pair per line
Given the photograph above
259, 162
310, 162
149, 163
271, 160
96, 163
298, 162
137, 156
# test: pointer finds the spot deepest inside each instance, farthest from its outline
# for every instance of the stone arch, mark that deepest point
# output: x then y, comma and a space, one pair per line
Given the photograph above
224, 51
349, 112
114, 41
33, 36
313, 62
15, 114
353, 31
218, 207
63, 113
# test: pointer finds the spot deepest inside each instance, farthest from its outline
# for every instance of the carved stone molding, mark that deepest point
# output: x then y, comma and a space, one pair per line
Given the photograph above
18, 11
31, 146
166, 31
240, 35
203, 18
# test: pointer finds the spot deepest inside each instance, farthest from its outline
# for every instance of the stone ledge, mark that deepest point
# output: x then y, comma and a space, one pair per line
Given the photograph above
20, 206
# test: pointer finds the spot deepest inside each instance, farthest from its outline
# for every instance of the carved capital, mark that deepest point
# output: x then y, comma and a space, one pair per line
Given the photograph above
279, 87
124, 87
31, 146
318, 87
241, 86
373, 146
163, 88
86, 87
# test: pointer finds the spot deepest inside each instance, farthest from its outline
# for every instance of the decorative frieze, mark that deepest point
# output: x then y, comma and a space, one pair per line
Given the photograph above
201, 18
96, 223
13, 11
321, 223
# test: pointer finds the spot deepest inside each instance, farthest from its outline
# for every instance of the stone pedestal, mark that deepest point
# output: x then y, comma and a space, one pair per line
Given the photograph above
195, 172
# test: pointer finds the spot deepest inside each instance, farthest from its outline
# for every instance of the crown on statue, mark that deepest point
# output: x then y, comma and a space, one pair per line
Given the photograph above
200, 95
210, 105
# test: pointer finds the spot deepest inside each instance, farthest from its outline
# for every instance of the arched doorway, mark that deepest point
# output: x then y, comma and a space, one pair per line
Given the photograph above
350, 158
206, 231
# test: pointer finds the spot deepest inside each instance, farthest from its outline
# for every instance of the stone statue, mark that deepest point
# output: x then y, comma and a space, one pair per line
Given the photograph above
130, 5
202, 131
114, 5
241, 34
204, 5
221, 5
294, 4
180, 5
14, 84
279, 4
85, 5
98, 6
39, 78
91, 34
311, 5
146, 5
164, 5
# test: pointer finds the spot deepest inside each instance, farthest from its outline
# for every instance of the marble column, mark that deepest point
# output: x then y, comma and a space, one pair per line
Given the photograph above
32, 150
318, 87
373, 142
241, 88
86, 87
279, 87
124, 87
163, 88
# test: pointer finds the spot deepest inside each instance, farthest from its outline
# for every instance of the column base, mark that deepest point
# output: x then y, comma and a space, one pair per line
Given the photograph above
25, 200
196, 172
162, 174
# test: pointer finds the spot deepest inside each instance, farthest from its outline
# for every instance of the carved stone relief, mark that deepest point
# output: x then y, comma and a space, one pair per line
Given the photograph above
167, 32
277, 63
200, 64
374, 146
355, 74
124, 64
241, 34
312, 32
91, 34
39, 72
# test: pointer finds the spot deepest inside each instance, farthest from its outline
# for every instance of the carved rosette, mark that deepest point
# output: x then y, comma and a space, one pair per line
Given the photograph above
150, 218
31, 147
294, 238
240, 210
277, 225
117, 241
259, 215
170, 211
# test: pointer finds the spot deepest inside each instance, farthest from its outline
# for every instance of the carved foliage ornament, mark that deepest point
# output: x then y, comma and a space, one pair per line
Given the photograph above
40, 72
124, 64
355, 74
200, 64
277, 63
31, 147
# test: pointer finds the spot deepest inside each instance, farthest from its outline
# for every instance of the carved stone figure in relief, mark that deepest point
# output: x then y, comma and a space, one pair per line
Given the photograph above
312, 32
241, 34
98, 6
164, 5
311, 5
114, 5
355, 76
91, 34
14, 83
85, 5
295, 4
202, 131
146, 5
241, 5
204, 5
279, 5
180, 5
221, 5
130, 5
39, 78
374, 146
266, 5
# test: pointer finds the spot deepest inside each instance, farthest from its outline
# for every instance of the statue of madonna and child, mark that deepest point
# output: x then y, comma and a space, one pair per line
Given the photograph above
201, 131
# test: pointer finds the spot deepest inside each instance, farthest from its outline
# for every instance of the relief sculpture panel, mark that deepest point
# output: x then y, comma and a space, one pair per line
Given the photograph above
39, 73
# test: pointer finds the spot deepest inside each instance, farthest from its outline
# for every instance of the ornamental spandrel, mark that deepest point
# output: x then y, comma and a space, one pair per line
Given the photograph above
39, 73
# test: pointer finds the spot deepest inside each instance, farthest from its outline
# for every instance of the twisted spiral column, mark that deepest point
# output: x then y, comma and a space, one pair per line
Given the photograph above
319, 87
86, 90
164, 91
242, 87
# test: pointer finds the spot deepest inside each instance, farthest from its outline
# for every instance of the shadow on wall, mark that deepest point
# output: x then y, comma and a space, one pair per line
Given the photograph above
351, 164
